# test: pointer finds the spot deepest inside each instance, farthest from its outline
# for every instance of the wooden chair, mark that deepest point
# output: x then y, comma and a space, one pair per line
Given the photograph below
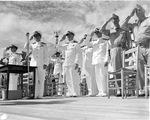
147, 79
127, 75
83, 88
60, 87
49, 86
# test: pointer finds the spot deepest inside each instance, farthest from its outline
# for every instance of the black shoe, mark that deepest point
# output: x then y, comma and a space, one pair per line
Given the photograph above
128, 95
26, 98
74, 96
141, 95
118, 95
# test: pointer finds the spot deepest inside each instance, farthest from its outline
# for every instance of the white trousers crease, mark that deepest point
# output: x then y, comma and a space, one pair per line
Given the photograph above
101, 77
72, 80
90, 79
60, 87
39, 82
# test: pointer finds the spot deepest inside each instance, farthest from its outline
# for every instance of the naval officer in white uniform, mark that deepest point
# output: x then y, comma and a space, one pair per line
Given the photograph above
15, 59
39, 58
100, 61
73, 61
87, 68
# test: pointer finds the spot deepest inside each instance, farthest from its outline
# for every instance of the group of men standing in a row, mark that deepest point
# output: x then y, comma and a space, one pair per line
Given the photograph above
98, 54
92, 59
88, 58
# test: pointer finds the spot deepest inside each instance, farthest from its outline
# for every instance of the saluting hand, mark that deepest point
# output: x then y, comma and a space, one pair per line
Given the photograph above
44, 66
92, 33
63, 38
133, 11
110, 19
106, 64
76, 66
79, 71
7, 48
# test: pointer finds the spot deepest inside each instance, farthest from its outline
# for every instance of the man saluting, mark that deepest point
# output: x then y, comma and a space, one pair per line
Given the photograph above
39, 58
72, 62
15, 59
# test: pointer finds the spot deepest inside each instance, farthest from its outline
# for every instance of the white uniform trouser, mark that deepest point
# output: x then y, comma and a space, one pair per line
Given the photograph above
90, 79
60, 88
101, 77
13, 80
39, 82
72, 80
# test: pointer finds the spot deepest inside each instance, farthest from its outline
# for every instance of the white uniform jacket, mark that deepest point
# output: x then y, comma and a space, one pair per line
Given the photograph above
14, 58
39, 55
73, 54
87, 56
100, 51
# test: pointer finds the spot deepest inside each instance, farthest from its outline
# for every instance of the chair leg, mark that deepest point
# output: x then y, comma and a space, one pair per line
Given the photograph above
122, 93
126, 84
108, 85
125, 93
65, 91
108, 94
52, 92
122, 83
146, 95
137, 85
57, 88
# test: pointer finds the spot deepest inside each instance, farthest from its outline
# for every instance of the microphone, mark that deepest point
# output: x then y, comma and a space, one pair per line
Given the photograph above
27, 35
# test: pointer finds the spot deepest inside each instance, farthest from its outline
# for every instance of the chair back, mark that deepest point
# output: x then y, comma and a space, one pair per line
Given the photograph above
131, 58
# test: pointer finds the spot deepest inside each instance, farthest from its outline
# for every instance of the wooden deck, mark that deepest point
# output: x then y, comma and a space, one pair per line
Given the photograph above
78, 108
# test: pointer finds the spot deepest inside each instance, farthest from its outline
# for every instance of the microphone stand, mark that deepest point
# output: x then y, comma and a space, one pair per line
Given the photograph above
28, 65
57, 36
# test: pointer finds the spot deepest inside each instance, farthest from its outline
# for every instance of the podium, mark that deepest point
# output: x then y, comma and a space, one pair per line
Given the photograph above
19, 69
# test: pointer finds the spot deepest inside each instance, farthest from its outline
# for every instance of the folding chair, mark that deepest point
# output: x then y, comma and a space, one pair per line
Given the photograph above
49, 86
128, 74
147, 79
61, 87
83, 87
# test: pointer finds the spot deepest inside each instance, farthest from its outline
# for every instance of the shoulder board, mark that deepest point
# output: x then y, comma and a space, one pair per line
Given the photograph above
67, 43
18, 53
75, 41
82, 46
43, 42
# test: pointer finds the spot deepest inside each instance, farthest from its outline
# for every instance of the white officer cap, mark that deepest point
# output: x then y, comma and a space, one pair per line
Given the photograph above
13, 46
70, 32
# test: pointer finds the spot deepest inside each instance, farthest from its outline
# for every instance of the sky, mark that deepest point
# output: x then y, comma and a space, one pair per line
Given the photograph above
19, 17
